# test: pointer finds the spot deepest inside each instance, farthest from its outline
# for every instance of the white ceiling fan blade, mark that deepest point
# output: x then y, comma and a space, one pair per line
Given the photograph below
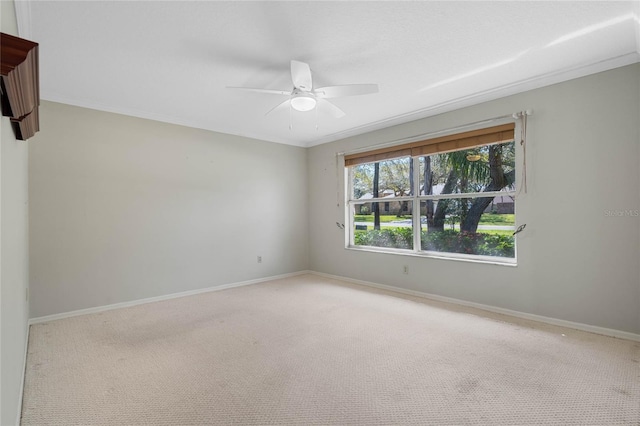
251, 89
346, 90
331, 108
301, 76
280, 106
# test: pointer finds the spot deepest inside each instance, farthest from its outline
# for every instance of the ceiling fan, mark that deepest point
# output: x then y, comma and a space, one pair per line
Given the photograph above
303, 97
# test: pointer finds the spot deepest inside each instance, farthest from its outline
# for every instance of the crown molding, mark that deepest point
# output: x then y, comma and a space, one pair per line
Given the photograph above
193, 124
509, 89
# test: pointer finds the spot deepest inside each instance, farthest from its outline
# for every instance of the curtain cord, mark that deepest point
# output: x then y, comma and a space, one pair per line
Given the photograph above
522, 116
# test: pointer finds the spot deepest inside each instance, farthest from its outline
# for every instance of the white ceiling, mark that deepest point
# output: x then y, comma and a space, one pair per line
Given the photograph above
172, 60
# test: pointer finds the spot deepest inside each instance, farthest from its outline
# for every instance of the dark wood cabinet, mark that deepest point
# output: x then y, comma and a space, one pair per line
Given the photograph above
19, 85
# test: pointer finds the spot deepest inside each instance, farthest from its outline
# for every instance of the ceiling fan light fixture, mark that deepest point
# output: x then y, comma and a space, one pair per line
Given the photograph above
303, 102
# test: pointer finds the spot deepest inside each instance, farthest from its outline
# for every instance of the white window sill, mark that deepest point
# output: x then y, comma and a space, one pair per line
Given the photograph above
489, 260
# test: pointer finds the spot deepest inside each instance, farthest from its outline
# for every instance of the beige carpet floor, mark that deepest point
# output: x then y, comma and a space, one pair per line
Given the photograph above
312, 351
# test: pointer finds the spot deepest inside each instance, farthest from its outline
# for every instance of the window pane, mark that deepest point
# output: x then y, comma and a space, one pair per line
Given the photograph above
468, 170
393, 179
396, 226
475, 226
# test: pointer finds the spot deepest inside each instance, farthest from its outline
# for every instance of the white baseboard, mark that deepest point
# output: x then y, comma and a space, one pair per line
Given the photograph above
503, 311
24, 372
497, 310
96, 309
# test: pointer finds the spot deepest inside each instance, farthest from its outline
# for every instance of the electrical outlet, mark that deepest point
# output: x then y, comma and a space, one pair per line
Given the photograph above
259, 259
405, 269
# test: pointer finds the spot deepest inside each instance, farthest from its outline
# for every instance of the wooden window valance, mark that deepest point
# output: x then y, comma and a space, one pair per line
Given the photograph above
19, 85
489, 135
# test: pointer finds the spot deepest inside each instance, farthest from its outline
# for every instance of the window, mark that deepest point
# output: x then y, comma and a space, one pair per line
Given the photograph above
452, 196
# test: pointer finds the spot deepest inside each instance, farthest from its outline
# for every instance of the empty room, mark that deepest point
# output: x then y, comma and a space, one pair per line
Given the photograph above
320, 213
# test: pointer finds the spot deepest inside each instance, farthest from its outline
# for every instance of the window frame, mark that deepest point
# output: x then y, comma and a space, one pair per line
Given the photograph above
415, 201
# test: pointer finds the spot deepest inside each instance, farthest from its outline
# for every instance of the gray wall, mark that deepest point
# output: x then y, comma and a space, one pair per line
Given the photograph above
14, 260
575, 263
125, 209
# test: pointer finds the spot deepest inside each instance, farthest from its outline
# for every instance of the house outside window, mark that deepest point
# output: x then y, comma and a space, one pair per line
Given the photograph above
452, 196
